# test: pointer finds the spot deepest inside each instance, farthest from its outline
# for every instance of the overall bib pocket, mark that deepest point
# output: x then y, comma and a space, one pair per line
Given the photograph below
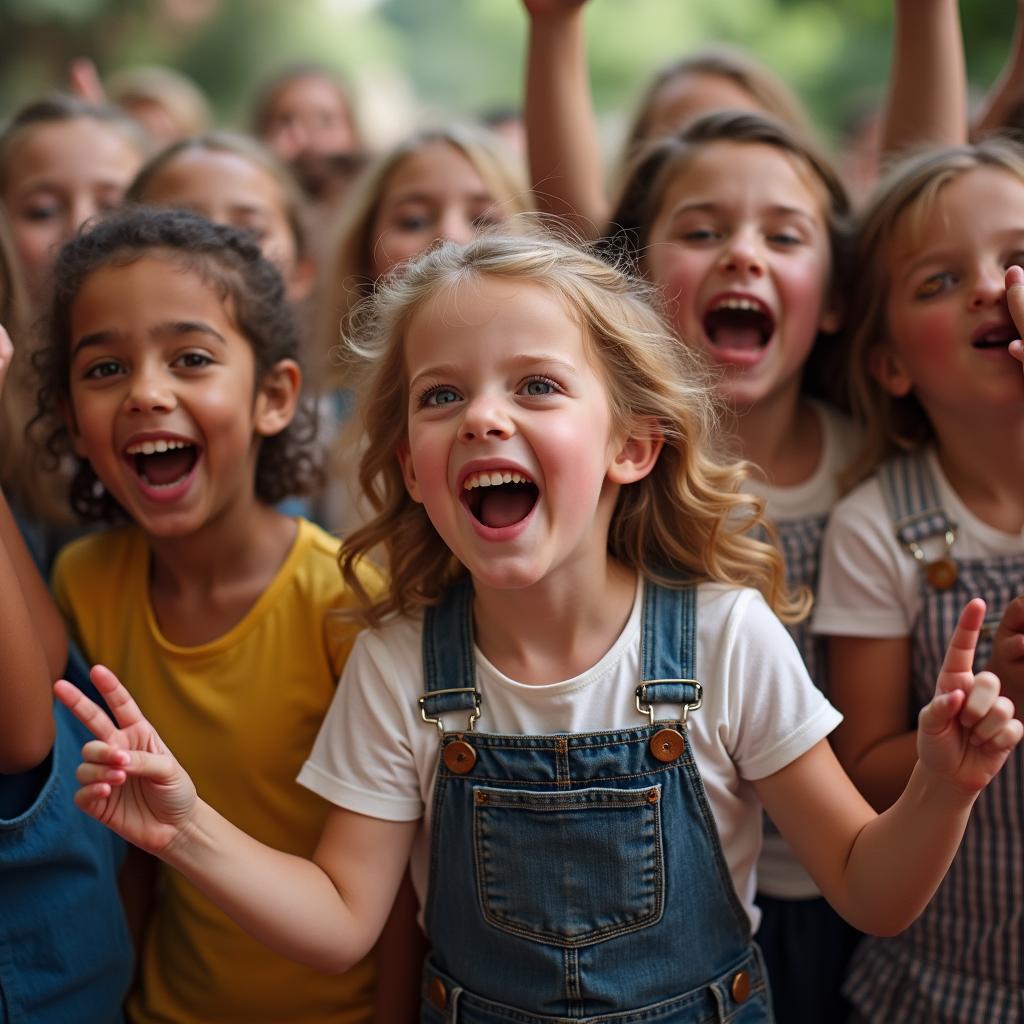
572, 867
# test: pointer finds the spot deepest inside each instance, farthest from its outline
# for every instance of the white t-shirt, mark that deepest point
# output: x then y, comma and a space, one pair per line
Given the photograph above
779, 873
376, 756
870, 585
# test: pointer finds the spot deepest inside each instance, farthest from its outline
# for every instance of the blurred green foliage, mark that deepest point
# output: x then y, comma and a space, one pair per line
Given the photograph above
463, 56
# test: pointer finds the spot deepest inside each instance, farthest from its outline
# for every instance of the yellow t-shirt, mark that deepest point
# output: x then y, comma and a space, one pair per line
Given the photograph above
240, 714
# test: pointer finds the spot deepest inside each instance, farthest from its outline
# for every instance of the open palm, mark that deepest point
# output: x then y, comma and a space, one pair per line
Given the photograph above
130, 781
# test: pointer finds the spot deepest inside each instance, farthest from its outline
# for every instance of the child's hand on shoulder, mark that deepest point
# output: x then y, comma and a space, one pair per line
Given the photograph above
967, 731
1015, 300
129, 780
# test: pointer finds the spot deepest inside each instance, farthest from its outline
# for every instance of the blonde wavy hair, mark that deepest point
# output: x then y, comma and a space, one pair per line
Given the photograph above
688, 517
349, 277
902, 202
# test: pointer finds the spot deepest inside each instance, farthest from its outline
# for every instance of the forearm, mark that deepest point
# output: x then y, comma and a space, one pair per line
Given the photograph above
899, 858
927, 100
1007, 95
564, 154
286, 902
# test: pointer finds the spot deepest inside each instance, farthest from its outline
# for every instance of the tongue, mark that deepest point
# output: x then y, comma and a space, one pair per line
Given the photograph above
503, 506
736, 337
167, 467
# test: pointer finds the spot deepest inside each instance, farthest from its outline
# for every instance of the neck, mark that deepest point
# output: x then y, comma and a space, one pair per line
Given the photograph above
985, 465
564, 624
780, 435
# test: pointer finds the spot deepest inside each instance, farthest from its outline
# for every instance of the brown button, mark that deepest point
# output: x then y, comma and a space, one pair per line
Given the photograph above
666, 744
740, 986
941, 573
459, 757
438, 994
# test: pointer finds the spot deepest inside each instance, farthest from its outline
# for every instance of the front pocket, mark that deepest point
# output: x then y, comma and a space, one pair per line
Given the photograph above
569, 868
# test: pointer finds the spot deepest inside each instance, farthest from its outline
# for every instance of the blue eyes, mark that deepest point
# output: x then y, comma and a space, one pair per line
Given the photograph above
443, 394
439, 396
536, 387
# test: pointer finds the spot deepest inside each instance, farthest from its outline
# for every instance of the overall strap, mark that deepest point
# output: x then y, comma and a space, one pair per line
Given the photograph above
912, 498
449, 673
668, 647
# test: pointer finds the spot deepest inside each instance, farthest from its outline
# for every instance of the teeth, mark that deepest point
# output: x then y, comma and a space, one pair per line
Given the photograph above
155, 447
493, 479
737, 303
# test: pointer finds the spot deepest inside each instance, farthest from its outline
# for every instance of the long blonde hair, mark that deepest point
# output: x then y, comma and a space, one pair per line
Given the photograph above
687, 517
349, 277
904, 198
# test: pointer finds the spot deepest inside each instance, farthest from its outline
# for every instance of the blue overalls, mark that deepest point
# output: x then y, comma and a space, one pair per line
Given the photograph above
579, 877
962, 960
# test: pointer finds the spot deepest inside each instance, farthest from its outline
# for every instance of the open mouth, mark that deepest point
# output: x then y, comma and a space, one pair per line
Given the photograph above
498, 498
738, 324
996, 337
162, 463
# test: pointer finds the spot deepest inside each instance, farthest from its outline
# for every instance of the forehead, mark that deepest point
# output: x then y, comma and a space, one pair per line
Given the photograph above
745, 172
308, 91
80, 148
689, 94
436, 167
214, 173
482, 317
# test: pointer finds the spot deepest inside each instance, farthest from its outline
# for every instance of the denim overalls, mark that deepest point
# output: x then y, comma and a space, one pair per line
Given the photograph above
579, 877
962, 960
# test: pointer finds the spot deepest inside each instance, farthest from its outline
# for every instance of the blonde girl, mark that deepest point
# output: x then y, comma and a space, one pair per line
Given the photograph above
583, 697
940, 518
441, 183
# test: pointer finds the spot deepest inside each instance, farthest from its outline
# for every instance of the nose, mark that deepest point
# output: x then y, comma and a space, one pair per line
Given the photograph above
149, 391
485, 416
743, 254
456, 227
83, 209
989, 286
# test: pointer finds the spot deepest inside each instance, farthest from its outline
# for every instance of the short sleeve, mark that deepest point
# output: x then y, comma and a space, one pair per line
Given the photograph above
868, 584
362, 759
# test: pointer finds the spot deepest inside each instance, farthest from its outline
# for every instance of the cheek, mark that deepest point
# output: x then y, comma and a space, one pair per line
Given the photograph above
677, 276
919, 329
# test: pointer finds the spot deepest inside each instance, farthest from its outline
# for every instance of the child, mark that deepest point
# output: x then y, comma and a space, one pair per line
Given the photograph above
172, 352
943, 401
443, 183
231, 179
52, 870
742, 227
62, 162
565, 157
552, 502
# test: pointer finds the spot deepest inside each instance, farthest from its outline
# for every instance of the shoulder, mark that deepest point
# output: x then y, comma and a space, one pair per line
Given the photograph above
316, 565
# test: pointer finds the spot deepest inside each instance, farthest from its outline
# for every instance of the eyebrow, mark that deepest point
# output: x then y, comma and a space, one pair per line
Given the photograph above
426, 197
524, 360
170, 328
775, 209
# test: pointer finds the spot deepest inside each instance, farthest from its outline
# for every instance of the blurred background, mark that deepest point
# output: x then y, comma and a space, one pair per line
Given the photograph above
410, 60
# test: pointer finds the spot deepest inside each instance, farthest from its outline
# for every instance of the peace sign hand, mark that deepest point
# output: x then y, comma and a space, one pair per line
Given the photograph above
967, 731
130, 781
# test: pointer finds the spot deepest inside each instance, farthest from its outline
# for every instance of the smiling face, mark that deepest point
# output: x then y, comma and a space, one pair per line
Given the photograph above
229, 189
59, 176
309, 114
740, 250
511, 447
435, 193
163, 400
948, 321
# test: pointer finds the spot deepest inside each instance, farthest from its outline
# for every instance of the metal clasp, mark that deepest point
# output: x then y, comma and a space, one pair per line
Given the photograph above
473, 715
646, 708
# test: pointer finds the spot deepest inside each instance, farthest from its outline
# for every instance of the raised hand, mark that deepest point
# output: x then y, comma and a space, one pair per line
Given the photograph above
129, 780
967, 731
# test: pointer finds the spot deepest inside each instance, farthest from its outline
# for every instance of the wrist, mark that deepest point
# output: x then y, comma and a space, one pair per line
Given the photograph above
929, 789
192, 838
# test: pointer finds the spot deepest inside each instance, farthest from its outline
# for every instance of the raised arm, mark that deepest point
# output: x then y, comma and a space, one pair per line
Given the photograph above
927, 99
1003, 105
33, 644
879, 872
564, 154
326, 912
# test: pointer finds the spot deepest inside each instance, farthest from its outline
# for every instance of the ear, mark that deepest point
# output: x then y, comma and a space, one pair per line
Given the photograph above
301, 280
408, 471
888, 370
277, 397
638, 453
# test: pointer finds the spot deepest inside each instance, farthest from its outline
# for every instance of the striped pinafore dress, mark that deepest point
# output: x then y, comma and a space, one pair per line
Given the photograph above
578, 878
962, 961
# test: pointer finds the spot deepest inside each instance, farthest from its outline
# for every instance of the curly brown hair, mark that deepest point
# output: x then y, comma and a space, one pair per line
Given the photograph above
223, 257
